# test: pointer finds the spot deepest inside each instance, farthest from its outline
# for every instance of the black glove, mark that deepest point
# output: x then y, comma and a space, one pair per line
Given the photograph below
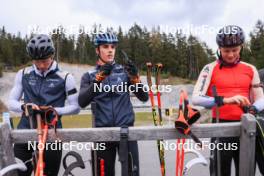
132, 73
131, 69
104, 71
250, 109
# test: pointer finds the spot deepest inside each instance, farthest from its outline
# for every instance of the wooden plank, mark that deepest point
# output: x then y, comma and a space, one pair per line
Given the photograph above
247, 146
7, 148
135, 133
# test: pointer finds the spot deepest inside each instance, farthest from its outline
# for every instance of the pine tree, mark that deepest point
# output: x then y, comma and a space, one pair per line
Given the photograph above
257, 43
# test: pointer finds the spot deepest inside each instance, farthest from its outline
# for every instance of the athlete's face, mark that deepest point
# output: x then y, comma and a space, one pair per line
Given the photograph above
43, 64
106, 52
231, 54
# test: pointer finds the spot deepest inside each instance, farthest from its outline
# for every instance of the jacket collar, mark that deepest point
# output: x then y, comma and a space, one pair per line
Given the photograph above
53, 68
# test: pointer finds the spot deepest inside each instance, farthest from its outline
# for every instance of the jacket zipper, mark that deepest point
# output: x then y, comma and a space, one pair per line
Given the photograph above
41, 82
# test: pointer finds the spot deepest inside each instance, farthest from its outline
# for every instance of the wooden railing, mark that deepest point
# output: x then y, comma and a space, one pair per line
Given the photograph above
246, 129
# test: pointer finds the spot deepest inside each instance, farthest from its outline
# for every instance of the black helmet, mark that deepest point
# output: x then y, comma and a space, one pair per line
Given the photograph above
105, 38
230, 36
40, 47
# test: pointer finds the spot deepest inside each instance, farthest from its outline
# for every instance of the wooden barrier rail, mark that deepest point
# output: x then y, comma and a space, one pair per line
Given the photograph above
246, 129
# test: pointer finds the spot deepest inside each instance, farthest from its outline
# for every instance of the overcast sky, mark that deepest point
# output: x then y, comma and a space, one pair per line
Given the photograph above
203, 18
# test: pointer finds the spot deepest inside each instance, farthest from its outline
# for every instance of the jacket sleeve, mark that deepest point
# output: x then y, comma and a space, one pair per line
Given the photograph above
256, 93
140, 93
14, 103
72, 106
199, 97
87, 90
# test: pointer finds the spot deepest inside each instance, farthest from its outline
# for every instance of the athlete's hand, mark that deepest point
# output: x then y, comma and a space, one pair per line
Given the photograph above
132, 73
33, 106
250, 109
131, 69
105, 70
31, 109
238, 99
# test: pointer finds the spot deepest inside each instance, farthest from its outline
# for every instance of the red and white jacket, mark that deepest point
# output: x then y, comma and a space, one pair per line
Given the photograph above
229, 81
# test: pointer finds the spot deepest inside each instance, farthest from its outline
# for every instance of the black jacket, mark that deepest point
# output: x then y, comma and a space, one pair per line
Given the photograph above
113, 108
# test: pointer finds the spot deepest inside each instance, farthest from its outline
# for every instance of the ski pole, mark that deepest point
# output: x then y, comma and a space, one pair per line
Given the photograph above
126, 60
180, 151
181, 123
151, 95
162, 159
29, 115
42, 130
218, 157
182, 156
155, 120
40, 162
102, 172
186, 117
158, 70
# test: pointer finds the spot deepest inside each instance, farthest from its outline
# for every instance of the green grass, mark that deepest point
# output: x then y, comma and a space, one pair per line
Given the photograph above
85, 121
143, 118
173, 80
77, 121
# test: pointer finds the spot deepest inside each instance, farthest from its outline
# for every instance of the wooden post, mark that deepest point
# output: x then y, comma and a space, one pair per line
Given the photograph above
247, 145
7, 150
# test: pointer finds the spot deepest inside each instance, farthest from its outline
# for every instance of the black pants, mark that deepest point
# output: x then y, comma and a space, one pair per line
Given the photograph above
259, 158
52, 159
109, 157
226, 155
